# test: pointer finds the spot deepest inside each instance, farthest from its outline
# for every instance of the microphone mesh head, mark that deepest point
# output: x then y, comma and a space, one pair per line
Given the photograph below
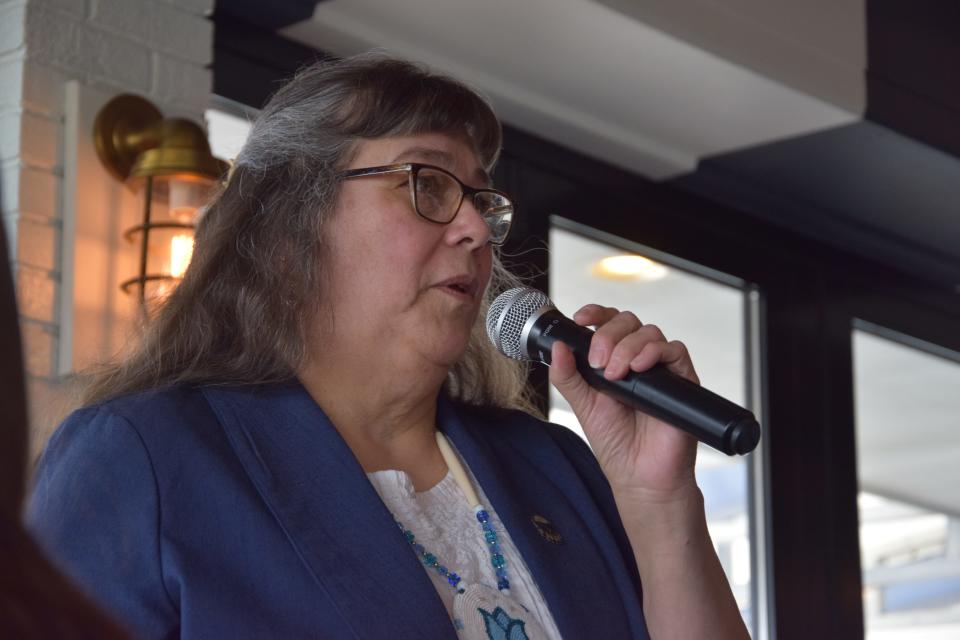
507, 315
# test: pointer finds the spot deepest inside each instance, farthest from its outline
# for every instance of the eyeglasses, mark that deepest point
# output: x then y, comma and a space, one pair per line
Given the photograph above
437, 195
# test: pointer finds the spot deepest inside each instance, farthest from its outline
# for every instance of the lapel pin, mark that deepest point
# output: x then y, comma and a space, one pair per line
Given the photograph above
546, 529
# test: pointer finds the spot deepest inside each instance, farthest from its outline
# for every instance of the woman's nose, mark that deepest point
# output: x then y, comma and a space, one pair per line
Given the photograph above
468, 226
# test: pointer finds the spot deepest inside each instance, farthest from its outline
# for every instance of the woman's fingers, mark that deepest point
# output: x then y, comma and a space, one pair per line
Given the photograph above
594, 314
629, 348
622, 343
612, 327
565, 377
673, 355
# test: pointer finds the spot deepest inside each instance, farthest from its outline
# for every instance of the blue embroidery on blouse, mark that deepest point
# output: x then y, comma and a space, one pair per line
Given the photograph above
501, 626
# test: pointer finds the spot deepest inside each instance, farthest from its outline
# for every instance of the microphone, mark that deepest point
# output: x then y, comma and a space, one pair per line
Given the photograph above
523, 324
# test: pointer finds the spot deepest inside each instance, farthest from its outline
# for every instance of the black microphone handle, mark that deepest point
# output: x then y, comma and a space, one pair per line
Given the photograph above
658, 392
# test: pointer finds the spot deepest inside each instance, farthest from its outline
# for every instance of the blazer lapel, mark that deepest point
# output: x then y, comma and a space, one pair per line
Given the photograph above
521, 484
331, 514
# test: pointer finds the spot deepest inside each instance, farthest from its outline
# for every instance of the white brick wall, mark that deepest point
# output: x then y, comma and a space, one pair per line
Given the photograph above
76, 8
8, 189
12, 18
196, 7
156, 48
42, 91
129, 45
11, 80
37, 193
39, 342
38, 243
9, 135
160, 27
39, 140
185, 87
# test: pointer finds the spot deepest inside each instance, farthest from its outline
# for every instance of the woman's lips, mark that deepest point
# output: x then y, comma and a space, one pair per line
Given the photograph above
457, 293
462, 287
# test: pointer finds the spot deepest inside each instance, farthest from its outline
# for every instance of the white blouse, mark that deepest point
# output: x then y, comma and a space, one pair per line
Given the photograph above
445, 525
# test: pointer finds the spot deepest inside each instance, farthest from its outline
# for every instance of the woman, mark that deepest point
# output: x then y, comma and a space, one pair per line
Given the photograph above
306, 440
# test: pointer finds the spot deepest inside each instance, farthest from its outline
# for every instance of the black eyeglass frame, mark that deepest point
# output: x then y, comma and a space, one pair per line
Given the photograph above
412, 169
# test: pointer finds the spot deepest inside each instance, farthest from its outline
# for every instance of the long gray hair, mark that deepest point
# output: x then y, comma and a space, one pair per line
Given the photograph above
254, 288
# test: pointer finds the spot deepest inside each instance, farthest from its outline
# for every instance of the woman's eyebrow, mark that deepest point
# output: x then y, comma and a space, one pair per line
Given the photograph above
436, 156
441, 159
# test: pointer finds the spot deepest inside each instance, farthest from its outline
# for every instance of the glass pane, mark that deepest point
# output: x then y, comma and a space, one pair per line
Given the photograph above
706, 316
227, 133
908, 465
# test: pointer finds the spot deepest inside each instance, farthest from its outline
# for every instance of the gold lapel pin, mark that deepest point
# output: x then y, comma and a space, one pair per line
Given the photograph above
546, 529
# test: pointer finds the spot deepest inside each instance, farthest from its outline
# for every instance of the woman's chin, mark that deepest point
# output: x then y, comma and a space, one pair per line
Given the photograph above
447, 352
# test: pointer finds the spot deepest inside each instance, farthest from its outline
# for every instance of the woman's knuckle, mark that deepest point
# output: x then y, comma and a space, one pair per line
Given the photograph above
623, 350
654, 331
601, 339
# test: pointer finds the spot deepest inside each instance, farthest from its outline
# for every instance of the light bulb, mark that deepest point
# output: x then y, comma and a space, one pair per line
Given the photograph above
629, 267
181, 250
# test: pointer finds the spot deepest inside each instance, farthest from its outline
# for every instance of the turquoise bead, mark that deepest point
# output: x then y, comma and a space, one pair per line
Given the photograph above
489, 535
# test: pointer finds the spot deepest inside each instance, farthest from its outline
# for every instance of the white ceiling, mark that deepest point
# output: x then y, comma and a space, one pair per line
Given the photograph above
614, 87
816, 46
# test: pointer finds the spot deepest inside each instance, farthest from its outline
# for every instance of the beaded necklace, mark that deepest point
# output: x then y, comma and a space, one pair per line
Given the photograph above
480, 612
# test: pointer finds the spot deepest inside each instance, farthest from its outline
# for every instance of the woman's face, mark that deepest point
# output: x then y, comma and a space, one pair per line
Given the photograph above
401, 284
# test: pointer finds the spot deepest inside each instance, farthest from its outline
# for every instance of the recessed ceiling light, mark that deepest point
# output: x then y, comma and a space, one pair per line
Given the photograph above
629, 267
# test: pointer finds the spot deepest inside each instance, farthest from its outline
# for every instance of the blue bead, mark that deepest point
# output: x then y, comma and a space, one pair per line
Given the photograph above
497, 560
409, 535
453, 579
429, 559
488, 526
442, 570
503, 584
495, 548
419, 549
501, 572
483, 516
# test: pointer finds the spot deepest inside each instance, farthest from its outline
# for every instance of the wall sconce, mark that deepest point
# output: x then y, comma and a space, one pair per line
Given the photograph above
167, 161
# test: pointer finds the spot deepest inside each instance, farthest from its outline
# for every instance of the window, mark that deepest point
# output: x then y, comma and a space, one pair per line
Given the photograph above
908, 457
228, 125
709, 317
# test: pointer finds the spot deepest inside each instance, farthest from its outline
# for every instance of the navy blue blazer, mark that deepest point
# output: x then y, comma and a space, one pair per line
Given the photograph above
241, 513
